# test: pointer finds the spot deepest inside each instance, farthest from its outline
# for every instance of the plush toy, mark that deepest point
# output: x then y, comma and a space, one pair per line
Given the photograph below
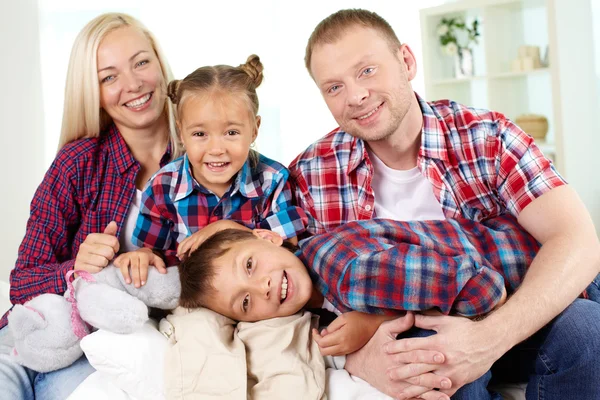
47, 329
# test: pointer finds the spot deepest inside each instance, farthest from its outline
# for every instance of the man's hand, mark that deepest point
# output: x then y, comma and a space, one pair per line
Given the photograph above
393, 373
468, 347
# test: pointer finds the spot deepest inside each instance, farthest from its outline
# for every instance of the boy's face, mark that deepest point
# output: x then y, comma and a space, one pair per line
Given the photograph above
258, 279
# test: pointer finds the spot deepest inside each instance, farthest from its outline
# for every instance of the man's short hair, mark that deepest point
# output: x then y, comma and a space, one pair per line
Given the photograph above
333, 27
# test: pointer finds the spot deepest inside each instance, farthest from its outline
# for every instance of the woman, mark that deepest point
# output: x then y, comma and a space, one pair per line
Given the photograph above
117, 131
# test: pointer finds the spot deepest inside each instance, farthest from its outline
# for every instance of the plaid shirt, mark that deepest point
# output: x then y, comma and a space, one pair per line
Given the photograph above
174, 205
382, 266
479, 163
90, 183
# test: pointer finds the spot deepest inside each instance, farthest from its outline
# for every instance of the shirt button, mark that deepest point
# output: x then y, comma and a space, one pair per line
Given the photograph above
368, 207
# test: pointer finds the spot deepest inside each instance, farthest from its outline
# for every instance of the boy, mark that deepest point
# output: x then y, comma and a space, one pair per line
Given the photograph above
375, 266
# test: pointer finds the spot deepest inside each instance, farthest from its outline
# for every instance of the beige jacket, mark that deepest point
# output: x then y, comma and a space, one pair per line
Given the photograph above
211, 358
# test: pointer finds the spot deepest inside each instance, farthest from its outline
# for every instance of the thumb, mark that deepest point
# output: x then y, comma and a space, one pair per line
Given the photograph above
111, 229
399, 325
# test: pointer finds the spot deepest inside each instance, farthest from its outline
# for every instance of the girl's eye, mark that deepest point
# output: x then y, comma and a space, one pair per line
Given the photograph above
141, 63
249, 265
368, 71
107, 79
232, 133
246, 303
201, 134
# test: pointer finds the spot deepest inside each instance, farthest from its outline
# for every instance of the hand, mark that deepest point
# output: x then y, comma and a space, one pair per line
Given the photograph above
191, 243
97, 250
139, 261
373, 365
466, 344
347, 333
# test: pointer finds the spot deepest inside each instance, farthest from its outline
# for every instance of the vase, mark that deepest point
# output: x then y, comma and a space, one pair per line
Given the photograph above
463, 63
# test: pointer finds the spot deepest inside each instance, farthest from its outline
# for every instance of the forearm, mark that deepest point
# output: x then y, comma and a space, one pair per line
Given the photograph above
561, 271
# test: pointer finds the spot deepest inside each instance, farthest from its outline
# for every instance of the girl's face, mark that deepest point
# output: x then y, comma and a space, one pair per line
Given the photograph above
217, 130
131, 81
257, 279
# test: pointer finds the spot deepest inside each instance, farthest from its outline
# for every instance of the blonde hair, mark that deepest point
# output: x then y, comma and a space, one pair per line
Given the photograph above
82, 114
331, 29
243, 79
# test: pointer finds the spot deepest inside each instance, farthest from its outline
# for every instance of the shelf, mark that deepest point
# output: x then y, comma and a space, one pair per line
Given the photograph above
508, 75
453, 81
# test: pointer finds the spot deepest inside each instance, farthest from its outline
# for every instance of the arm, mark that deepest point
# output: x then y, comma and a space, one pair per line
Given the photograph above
567, 261
279, 214
191, 243
348, 333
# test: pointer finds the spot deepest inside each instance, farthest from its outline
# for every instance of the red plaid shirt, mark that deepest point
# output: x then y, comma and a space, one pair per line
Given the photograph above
480, 164
90, 183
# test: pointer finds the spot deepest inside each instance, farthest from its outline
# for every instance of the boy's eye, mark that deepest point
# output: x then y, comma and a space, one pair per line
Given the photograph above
249, 265
246, 303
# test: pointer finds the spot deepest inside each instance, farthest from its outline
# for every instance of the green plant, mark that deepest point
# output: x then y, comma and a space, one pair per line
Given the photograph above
455, 34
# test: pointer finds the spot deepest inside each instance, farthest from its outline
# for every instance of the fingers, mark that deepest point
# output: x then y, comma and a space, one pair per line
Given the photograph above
135, 270
337, 324
184, 247
431, 322
409, 344
100, 239
159, 264
331, 338
199, 240
144, 261
431, 380
407, 371
399, 325
124, 267
111, 228
92, 269
424, 393
419, 356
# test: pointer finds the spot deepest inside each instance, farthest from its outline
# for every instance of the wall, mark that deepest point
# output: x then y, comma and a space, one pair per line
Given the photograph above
21, 113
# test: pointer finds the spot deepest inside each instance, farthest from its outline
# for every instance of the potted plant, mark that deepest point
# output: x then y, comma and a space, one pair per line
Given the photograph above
456, 38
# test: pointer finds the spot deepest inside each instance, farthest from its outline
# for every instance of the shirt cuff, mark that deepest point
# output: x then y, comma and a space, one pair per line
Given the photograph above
335, 362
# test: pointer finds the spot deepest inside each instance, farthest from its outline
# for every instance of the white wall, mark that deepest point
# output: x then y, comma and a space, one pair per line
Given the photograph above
22, 117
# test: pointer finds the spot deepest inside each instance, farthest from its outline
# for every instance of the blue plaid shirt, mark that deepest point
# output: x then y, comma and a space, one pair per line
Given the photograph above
174, 205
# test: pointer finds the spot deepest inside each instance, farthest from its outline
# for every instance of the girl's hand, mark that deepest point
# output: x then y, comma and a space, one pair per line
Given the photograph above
191, 243
97, 250
139, 261
348, 333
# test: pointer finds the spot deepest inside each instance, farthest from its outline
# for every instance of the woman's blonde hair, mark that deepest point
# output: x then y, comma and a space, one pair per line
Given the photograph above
82, 115
243, 79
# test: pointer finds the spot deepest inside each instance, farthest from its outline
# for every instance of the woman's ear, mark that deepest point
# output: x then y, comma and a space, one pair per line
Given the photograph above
271, 236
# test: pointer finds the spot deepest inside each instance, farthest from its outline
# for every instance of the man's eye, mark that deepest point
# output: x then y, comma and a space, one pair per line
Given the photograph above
249, 265
333, 89
367, 71
246, 303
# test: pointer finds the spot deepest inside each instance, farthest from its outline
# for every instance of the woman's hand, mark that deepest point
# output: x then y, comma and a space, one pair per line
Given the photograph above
191, 243
138, 262
97, 250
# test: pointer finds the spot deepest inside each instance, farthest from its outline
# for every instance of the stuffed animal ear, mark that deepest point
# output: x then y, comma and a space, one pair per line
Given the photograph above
25, 320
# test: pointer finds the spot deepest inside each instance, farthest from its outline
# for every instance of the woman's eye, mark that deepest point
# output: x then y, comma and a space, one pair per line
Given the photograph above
141, 63
249, 265
246, 303
107, 79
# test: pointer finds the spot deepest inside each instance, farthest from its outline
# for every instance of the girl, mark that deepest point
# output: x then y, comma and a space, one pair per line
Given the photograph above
117, 131
220, 179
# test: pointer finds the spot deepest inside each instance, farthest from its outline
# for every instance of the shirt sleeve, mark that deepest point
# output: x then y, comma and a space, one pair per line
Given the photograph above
303, 199
45, 254
153, 228
279, 214
403, 277
524, 173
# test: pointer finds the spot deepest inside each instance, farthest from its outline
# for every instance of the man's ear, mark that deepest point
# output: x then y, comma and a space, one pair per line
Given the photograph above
271, 236
406, 55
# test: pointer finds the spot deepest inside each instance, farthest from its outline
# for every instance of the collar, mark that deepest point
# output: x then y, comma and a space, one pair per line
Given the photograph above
433, 137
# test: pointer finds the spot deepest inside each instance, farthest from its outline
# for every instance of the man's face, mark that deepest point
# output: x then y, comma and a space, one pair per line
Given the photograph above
257, 280
365, 84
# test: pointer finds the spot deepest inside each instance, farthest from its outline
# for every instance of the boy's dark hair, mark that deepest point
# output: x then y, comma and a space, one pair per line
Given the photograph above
196, 272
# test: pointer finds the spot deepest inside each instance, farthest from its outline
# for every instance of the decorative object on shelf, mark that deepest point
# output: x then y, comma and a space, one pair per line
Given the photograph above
528, 59
534, 125
456, 37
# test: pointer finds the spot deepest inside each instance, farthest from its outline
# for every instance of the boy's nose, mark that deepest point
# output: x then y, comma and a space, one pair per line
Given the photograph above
265, 286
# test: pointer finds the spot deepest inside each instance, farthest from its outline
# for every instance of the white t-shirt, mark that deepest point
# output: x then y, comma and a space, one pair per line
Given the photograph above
403, 195
129, 225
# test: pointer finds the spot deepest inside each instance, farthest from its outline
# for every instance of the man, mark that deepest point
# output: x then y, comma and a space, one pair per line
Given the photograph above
397, 156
